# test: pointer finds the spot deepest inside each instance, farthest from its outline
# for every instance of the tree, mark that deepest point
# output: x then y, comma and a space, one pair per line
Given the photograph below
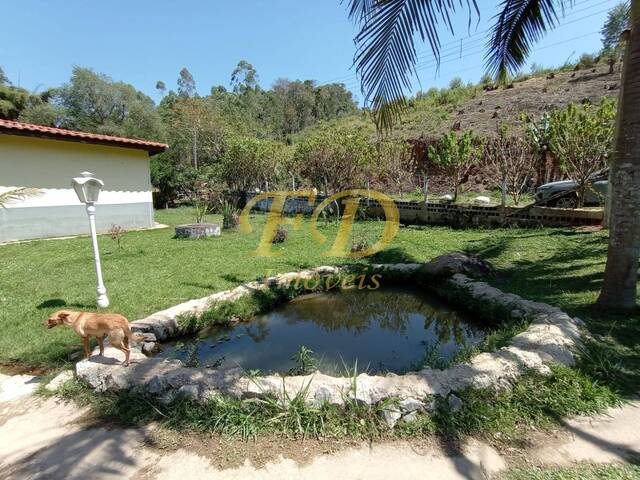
17, 195
93, 102
539, 140
13, 101
186, 83
198, 132
336, 159
395, 161
250, 163
4, 80
386, 56
161, 87
297, 101
512, 162
619, 288
244, 77
581, 138
455, 155
43, 114
618, 20
333, 101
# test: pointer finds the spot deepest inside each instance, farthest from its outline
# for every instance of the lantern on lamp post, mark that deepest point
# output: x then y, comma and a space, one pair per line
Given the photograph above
88, 189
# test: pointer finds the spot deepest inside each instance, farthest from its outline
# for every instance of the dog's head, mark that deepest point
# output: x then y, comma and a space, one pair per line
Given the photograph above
56, 318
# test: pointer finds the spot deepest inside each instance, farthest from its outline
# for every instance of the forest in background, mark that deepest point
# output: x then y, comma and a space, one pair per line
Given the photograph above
296, 133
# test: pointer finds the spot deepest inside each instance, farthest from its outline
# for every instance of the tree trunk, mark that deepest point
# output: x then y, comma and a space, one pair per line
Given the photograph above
195, 148
621, 272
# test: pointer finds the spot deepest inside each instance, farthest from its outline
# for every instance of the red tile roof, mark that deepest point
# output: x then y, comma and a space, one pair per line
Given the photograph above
28, 129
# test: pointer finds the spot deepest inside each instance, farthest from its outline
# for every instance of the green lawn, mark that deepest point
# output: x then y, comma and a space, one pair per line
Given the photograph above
154, 271
582, 472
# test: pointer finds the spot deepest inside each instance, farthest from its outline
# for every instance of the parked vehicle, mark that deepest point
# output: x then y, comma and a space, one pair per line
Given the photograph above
563, 194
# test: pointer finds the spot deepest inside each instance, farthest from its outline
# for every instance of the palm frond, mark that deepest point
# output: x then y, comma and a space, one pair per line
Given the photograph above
385, 55
517, 27
17, 195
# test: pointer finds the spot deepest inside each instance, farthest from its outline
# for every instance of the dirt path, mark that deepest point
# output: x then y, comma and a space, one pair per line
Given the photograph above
54, 440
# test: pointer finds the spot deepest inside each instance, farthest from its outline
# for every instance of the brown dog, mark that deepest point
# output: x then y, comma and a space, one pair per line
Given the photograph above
99, 325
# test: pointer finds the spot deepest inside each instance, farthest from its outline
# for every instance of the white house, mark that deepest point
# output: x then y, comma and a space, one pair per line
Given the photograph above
46, 159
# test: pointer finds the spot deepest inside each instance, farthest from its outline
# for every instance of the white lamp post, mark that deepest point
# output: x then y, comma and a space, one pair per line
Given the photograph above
88, 188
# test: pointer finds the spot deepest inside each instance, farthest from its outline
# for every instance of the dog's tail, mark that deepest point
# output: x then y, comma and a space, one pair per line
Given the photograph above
134, 337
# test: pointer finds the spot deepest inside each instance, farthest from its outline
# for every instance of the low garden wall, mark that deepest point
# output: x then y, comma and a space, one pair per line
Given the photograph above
456, 215
550, 338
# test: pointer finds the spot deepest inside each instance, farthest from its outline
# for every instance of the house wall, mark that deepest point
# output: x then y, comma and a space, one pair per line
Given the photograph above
49, 165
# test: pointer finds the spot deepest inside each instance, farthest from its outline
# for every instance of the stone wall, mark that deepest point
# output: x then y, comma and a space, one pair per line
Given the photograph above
456, 215
550, 338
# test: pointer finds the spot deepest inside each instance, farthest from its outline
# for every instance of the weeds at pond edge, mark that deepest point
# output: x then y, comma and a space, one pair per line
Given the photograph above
535, 401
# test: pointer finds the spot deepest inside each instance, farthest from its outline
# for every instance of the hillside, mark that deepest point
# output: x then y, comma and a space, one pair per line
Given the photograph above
534, 96
441, 110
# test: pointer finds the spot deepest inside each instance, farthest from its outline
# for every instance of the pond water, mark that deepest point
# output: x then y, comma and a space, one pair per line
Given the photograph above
383, 330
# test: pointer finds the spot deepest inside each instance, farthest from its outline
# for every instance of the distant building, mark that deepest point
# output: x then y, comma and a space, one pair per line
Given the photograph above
47, 159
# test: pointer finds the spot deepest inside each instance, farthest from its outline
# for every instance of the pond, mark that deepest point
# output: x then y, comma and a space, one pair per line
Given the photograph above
386, 330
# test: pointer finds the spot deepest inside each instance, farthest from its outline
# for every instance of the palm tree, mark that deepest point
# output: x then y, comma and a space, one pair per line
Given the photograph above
16, 195
385, 60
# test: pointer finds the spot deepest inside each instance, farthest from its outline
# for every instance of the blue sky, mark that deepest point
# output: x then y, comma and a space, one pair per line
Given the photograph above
142, 41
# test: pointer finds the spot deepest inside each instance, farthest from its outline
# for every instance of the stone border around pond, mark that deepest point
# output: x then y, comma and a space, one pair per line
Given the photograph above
551, 337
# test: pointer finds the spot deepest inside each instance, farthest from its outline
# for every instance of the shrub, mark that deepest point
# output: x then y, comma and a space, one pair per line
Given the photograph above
336, 159
455, 155
587, 60
230, 216
582, 139
281, 235
303, 362
359, 245
456, 82
116, 233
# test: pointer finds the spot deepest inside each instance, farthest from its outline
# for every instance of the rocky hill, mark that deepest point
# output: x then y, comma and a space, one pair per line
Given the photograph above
473, 107
534, 96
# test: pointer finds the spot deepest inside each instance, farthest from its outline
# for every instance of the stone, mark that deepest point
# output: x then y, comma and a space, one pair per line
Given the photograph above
457, 263
455, 404
550, 338
409, 405
149, 347
157, 384
482, 199
324, 395
410, 417
168, 397
148, 336
198, 230
390, 416
192, 392
59, 380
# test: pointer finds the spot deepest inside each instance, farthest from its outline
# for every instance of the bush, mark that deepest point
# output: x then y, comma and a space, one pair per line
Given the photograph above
281, 235
336, 159
456, 82
587, 60
230, 216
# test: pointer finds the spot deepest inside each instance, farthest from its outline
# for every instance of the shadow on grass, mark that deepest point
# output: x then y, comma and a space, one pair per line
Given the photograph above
571, 279
60, 303
391, 255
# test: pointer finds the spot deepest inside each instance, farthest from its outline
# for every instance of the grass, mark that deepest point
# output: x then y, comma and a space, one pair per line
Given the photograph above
154, 271
581, 472
536, 400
